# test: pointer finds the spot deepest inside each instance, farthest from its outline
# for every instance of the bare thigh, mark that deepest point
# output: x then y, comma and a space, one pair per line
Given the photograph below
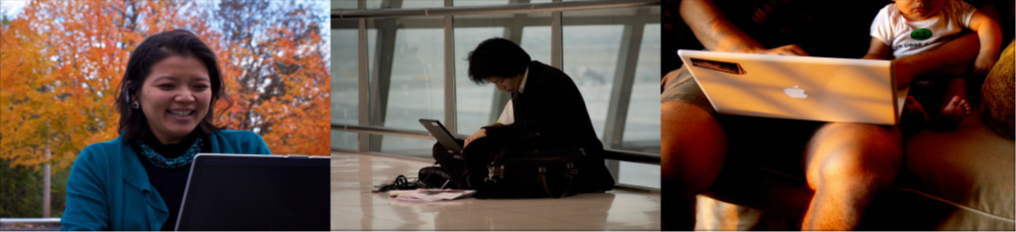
693, 143
776, 144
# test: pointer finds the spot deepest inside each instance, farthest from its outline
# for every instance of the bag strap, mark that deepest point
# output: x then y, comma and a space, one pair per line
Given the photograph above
571, 177
571, 180
566, 191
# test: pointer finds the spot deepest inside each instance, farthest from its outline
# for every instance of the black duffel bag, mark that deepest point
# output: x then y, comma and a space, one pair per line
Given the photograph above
534, 167
452, 166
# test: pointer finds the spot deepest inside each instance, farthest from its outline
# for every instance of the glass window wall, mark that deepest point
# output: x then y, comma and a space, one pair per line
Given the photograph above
611, 54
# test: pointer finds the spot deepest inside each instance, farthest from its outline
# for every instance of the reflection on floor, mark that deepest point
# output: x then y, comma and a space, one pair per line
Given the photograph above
354, 207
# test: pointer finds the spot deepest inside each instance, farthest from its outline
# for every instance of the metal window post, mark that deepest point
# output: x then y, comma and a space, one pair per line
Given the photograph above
620, 93
449, 71
381, 72
556, 47
624, 78
363, 81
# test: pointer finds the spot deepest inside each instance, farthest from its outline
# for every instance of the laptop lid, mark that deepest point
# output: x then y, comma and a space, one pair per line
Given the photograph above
797, 87
256, 192
442, 135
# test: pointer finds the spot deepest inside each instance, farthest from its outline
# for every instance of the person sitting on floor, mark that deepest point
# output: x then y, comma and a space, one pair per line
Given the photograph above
545, 102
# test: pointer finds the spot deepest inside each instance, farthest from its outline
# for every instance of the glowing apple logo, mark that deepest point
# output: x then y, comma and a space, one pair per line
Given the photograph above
795, 92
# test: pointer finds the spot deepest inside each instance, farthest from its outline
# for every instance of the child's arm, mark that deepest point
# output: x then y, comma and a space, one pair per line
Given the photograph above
991, 39
878, 50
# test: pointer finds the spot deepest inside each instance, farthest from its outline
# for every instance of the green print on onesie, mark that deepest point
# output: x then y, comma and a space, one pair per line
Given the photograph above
921, 34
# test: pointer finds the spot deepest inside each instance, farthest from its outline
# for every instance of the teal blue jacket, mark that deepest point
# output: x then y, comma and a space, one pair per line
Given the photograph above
108, 189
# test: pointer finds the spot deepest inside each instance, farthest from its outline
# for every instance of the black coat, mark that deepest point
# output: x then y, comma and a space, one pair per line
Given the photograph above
552, 106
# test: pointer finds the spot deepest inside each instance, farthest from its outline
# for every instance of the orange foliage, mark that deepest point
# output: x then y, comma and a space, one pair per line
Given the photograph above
281, 85
62, 62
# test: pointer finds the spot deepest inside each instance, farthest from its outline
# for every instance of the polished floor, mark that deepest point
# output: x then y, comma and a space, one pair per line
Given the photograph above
354, 207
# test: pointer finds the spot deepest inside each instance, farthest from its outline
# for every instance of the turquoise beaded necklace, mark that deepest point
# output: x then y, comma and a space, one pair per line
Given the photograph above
171, 163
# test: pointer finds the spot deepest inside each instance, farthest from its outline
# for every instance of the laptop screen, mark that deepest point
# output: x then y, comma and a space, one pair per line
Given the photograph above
239, 192
442, 135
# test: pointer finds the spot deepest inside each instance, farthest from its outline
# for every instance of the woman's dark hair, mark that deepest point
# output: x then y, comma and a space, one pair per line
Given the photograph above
497, 57
133, 123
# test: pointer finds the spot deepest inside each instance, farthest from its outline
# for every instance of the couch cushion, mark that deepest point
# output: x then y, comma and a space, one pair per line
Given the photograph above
971, 168
997, 99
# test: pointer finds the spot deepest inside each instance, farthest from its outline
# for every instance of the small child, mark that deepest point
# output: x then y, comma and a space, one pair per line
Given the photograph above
908, 27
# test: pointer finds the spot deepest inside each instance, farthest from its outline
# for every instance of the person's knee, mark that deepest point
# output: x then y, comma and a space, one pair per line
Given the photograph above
680, 111
687, 128
851, 153
682, 122
866, 138
693, 146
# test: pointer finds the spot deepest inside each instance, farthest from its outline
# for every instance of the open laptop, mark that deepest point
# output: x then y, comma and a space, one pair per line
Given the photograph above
798, 87
442, 135
256, 192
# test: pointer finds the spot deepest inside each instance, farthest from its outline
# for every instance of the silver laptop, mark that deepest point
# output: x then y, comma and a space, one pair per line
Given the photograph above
798, 87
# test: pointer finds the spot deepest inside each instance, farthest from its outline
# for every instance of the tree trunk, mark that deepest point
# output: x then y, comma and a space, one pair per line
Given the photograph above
46, 184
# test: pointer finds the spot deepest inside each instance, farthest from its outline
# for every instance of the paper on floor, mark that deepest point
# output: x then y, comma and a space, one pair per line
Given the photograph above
430, 195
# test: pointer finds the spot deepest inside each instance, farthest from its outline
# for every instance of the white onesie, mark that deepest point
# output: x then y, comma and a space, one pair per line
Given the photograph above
907, 37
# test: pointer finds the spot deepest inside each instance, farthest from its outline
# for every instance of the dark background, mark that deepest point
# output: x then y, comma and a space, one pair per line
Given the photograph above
821, 28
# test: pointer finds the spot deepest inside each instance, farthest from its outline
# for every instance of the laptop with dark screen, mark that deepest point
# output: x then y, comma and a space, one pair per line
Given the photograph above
256, 192
442, 135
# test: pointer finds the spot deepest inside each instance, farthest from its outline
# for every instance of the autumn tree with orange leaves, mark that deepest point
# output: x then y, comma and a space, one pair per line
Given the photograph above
279, 69
61, 63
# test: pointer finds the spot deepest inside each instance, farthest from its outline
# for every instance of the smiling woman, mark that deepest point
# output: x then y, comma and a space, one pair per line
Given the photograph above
137, 181
176, 98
